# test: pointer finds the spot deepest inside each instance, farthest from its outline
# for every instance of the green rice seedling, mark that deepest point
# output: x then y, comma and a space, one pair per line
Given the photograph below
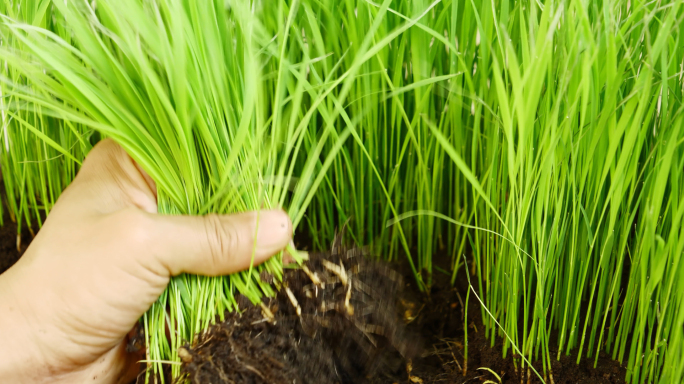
544, 138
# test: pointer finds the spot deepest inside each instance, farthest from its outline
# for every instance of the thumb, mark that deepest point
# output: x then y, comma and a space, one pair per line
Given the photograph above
215, 245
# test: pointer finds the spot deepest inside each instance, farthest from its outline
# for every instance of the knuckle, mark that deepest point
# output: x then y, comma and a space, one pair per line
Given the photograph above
222, 239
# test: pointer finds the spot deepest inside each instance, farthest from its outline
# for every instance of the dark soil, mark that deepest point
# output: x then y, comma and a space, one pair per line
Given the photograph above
9, 254
441, 326
389, 332
335, 321
395, 334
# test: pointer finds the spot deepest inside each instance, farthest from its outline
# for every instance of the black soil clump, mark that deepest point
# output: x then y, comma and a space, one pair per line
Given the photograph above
335, 320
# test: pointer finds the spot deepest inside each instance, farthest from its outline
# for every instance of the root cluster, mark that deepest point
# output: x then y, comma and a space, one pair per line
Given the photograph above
335, 320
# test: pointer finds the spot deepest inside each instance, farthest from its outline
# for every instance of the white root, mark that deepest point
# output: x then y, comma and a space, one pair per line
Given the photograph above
338, 270
294, 302
347, 305
312, 275
268, 315
184, 355
409, 369
310, 291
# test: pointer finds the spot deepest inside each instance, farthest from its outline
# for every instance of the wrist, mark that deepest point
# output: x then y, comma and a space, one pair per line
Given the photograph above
27, 346
19, 354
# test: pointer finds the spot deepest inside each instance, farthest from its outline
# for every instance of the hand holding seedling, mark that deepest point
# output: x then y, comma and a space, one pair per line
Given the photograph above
99, 262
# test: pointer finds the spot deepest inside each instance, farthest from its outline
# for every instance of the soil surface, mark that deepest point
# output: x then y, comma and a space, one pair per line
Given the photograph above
9, 254
376, 328
441, 327
391, 334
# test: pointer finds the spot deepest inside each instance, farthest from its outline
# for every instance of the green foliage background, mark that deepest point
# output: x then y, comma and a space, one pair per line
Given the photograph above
540, 142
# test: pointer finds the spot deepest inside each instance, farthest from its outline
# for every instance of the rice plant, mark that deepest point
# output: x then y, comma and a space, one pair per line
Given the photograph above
542, 140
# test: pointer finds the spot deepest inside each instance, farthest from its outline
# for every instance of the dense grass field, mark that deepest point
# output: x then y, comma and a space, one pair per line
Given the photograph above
540, 144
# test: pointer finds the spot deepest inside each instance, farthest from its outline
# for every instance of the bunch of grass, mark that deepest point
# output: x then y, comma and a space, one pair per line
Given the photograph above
542, 139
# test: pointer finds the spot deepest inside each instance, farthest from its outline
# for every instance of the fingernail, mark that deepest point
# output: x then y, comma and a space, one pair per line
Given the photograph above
275, 231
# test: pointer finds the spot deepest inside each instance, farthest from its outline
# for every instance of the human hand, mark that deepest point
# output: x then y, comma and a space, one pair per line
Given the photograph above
100, 261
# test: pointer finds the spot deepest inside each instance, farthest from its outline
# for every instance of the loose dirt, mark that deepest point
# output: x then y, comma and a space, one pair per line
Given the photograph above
335, 320
387, 333
441, 326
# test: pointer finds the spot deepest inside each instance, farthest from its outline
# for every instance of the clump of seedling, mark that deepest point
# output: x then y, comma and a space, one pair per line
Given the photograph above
335, 319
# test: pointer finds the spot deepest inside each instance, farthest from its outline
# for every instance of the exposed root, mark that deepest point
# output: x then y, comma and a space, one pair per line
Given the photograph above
338, 270
266, 312
347, 305
313, 276
334, 320
293, 300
